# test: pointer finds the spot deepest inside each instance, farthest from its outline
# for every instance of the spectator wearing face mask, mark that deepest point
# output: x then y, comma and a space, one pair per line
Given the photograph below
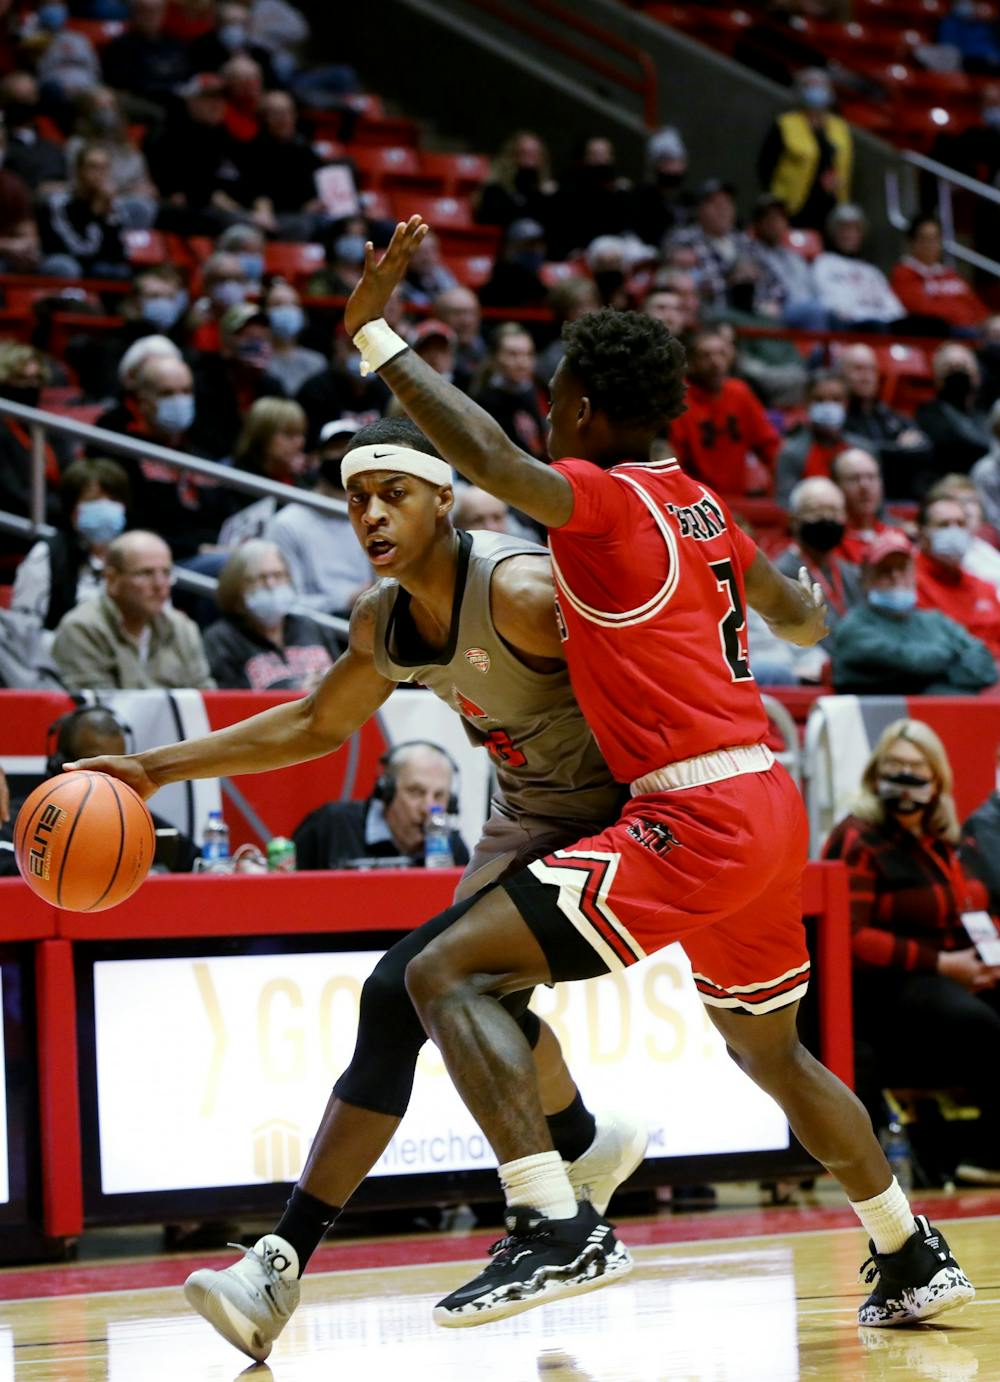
37, 161
658, 204
922, 995
811, 448
194, 162
817, 515
344, 262
230, 35
986, 472
224, 285
427, 275
593, 199
521, 186
62, 570
291, 364
259, 644
887, 646
982, 557
807, 157
956, 427
516, 277
942, 584
341, 391
248, 243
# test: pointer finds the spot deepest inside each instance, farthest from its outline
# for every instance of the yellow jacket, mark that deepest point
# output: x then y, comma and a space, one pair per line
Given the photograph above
795, 172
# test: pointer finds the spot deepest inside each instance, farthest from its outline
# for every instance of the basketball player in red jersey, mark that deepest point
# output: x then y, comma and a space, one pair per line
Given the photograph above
652, 580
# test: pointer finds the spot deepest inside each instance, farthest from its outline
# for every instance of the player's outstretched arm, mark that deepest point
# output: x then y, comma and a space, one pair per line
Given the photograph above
465, 435
348, 695
795, 610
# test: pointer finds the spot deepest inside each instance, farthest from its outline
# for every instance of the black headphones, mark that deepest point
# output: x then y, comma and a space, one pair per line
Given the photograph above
385, 784
55, 757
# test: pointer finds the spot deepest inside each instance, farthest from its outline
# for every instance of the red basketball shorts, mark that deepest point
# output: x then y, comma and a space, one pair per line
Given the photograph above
717, 867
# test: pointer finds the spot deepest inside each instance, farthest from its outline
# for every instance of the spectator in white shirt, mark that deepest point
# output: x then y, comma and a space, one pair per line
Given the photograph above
856, 293
785, 286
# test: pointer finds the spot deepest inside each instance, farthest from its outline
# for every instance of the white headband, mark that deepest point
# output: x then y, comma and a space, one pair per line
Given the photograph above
402, 460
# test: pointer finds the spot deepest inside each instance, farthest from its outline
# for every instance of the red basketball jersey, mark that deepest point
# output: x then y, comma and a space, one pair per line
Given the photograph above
650, 585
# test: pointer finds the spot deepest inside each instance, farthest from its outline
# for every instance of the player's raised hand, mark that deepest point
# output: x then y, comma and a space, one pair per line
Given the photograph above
383, 276
816, 601
126, 768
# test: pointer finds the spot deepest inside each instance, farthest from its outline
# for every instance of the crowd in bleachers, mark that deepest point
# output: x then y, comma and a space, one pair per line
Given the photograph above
184, 204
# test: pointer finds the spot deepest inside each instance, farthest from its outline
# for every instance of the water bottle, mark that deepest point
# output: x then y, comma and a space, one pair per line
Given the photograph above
215, 844
437, 840
896, 1146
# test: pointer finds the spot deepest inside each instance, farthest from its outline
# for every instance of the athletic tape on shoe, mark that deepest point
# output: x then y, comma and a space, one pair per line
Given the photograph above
398, 460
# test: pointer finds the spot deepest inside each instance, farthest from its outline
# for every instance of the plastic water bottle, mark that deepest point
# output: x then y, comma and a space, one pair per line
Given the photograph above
437, 840
896, 1146
215, 844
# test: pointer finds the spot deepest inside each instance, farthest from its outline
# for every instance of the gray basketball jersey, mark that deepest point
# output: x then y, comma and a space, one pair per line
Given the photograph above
547, 761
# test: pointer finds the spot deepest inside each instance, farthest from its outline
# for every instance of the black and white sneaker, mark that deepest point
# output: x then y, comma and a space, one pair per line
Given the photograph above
539, 1260
919, 1281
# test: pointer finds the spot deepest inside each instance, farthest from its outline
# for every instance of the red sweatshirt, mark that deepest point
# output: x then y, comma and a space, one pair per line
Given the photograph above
969, 601
936, 290
712, 439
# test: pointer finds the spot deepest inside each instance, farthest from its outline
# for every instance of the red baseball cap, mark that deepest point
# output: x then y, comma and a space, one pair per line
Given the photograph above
891, 542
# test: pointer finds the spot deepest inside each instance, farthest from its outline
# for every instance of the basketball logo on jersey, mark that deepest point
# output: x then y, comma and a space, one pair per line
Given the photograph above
653, 835
478, 658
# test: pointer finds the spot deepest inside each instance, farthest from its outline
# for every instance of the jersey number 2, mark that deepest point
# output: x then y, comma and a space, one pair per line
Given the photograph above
732, 622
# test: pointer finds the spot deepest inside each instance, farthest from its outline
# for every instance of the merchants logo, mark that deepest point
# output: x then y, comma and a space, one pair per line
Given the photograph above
39, 858
653, 835
479, 658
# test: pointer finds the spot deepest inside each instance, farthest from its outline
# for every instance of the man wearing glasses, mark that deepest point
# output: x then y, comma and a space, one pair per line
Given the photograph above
130, 636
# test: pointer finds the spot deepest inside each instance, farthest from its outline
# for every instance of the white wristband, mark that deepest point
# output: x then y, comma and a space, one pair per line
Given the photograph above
378, 344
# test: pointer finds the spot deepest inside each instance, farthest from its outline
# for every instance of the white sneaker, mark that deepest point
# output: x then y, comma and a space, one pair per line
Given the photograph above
250, 1303
618, 1147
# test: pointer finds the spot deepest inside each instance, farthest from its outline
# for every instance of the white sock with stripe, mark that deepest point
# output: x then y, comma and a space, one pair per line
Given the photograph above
887, 1217
539, 1182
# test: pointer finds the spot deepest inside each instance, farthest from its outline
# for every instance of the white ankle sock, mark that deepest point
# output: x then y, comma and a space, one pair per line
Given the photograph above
887, 1217
539, 1181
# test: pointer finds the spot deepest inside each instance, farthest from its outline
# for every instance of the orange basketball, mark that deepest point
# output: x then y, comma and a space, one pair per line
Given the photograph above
84, 841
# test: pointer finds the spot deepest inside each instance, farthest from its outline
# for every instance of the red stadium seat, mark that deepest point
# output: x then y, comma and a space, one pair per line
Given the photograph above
146, 247
99, 31
457, 174
386, 130
558, 272
6, 595
377, 165
907, 378
469, 240
377, 205
473, 270
442, 213
293, 260
365, 103
328, 149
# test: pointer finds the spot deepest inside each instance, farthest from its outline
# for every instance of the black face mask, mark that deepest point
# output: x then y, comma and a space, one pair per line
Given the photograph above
28, 394
822, 534
957, 388
905, 793
669, 181
526, 179
19, 114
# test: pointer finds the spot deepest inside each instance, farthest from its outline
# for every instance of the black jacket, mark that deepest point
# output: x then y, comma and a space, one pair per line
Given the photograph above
335, 833
981, 846
242, 659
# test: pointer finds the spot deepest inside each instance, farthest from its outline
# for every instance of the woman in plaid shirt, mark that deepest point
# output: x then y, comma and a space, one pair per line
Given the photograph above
923, 1000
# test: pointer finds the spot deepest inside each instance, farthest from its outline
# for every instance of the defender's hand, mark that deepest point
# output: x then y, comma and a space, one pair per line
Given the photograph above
383, 276
126, 767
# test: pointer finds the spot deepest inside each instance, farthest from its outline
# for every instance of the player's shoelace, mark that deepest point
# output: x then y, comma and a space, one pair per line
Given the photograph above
874, 1270
503, 1246
270, 1271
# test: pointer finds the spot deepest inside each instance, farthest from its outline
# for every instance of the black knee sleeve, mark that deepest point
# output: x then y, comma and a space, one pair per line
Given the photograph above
380, 1075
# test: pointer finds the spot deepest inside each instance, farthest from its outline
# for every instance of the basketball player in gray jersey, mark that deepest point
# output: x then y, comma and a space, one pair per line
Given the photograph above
473, 617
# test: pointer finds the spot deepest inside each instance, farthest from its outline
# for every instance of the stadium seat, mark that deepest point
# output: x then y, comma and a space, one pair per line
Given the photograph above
99, 31
378, 164
6, 595
472, 270
328, 150
377, 205
292, 259
907, 378
386, 130
456, 174
439, 212
146, 247
466, 240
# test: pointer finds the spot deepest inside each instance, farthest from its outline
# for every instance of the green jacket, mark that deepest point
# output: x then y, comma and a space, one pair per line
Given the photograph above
921, 653
92, 650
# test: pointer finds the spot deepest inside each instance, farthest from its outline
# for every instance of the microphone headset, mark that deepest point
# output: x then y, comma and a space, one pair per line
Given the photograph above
58, 733
385, 785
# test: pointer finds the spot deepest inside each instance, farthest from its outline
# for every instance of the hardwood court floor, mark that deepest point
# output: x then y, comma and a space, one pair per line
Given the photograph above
763, 1308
